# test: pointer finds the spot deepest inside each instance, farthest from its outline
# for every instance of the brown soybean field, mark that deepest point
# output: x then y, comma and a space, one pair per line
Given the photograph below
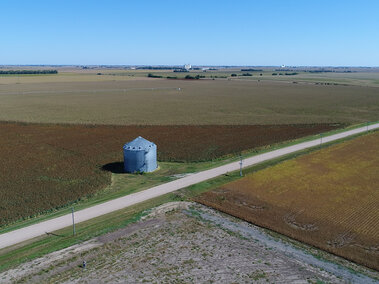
328, 199
48, 166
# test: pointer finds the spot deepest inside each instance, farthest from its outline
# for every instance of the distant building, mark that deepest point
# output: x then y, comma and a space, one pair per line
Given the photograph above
140, 155
187, 66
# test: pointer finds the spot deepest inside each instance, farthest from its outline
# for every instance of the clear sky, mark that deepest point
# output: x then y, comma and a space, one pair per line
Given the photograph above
206, 32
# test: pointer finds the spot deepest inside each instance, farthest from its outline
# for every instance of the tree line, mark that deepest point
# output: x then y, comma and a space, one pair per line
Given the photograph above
252, 70
28, 72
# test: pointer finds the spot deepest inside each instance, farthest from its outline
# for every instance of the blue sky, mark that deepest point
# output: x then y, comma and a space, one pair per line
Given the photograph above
207, 32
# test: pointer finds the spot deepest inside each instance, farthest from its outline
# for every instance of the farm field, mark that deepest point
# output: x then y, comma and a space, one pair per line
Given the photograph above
328, 199
347, 76
130, 98
48, 166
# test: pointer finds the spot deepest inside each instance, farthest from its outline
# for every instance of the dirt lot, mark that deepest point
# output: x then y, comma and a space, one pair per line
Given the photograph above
191, 244
328, 199
47, 166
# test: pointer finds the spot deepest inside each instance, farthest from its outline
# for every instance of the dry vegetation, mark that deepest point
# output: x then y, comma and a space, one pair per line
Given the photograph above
126, 99
328, 199
47, 166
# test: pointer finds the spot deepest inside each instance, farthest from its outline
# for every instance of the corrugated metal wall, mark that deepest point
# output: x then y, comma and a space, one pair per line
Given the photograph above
140, 155
151, 159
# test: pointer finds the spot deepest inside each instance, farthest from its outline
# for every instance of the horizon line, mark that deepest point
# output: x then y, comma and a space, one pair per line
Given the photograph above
195, 65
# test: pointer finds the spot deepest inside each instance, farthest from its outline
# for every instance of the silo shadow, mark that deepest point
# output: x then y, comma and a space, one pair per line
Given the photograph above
116, 167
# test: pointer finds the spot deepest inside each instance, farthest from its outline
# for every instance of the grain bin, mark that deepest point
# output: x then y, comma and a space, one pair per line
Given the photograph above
140, 155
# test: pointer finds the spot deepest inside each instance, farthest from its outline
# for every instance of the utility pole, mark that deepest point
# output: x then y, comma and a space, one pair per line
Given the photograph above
241, 165
73, 222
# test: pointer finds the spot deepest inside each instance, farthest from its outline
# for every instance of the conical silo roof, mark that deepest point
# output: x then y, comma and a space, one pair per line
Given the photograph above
139, 144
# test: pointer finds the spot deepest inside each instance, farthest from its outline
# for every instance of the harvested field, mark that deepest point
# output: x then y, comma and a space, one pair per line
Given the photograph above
328, 199
121, 100
48, 166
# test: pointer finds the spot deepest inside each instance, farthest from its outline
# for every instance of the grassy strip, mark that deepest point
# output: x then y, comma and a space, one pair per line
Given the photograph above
107, 223
135, 183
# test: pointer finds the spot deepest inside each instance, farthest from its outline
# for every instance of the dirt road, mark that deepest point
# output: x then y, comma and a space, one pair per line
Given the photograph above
39, 229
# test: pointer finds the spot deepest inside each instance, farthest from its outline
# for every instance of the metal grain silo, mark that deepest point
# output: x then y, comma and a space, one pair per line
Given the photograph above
140, 155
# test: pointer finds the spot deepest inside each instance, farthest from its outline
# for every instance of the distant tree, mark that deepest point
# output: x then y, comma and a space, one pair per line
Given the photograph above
197, 77
150, 75
252, 70
234, 75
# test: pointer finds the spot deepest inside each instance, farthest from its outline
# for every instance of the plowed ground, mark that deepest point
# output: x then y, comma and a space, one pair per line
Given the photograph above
329, 199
